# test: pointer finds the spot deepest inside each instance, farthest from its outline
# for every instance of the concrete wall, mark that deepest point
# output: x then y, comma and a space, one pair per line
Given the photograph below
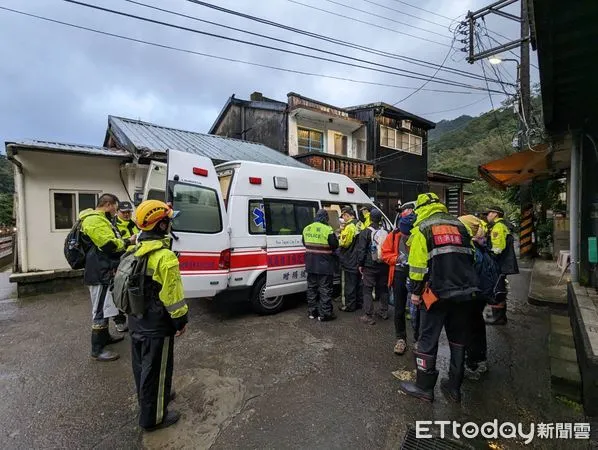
44, 172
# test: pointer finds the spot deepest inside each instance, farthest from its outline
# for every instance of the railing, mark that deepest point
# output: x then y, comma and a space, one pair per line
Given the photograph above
5, 246
356, 169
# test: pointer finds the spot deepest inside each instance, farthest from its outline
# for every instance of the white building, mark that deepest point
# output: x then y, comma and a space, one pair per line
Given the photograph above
55, 181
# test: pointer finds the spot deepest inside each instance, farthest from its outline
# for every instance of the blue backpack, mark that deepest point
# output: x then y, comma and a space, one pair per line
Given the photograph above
488, 274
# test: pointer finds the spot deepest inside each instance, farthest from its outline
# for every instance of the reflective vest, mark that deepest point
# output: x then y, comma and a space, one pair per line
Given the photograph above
319, 256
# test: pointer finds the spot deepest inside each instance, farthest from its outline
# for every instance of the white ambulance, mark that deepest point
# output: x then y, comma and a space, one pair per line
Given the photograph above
240, 223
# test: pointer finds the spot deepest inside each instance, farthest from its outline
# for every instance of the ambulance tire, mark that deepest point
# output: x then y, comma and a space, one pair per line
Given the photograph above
265, 306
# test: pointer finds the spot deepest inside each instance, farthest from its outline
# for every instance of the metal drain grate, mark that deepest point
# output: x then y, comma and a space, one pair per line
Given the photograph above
435, 443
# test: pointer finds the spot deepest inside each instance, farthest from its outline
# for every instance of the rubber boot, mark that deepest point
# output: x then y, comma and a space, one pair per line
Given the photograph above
98, 342
426, 377
451, 386
110, 339
498, 315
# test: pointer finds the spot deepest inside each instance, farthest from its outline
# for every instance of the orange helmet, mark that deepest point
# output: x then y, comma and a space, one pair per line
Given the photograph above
150, 212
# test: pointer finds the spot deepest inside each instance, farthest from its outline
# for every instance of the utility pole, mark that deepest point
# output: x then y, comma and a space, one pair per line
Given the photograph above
526, 238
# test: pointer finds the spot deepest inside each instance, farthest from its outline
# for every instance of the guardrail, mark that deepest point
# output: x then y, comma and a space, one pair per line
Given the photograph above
6, 250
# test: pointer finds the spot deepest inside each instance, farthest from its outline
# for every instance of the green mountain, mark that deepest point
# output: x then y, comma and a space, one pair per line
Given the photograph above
459, 146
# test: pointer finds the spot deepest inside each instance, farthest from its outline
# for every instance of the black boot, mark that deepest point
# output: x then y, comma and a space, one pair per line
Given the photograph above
451, 386
498, 315
98, 342
426, 377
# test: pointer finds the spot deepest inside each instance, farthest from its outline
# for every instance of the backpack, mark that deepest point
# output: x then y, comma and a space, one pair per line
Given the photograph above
488, 274
377, 239
76, 246
128, 284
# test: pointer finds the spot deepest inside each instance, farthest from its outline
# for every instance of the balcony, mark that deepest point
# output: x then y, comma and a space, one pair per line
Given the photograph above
359, 171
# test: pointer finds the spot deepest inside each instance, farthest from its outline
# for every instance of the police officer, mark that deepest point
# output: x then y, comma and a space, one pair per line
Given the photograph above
365, 216
348, 257
124, 223
101, 261
165, 317
320, 243
501, 245
441, 270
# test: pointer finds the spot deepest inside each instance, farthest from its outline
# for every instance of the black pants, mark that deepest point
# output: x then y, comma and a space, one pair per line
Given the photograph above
375, 279
477, 347
353, 290
452, 314
400, 293
152, 359
319, 294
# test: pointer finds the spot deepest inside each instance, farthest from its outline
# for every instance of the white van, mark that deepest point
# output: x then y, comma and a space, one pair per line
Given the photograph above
240, 223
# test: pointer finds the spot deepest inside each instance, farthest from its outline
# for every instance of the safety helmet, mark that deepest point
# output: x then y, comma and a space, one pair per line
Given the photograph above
426, 199
150, 212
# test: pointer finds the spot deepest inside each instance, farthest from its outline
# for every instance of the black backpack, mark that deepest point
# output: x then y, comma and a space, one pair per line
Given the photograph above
76, 246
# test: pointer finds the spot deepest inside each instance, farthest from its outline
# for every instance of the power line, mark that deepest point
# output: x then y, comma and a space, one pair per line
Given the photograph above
255, 44
404, 13
369, 13
375, 25
425, 10
454, 109
222, 58
330, 39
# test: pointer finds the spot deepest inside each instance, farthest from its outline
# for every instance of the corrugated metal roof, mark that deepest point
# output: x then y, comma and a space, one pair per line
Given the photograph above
67, 148
147, 137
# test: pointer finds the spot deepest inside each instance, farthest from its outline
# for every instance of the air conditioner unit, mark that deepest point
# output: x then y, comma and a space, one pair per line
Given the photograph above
406, 124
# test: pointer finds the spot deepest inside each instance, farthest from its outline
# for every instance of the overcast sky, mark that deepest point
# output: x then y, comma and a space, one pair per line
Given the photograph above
59, 83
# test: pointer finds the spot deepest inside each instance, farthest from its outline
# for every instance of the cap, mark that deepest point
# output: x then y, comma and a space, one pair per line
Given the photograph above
376, 216
365, 208
496, 209
125, 206
347, 210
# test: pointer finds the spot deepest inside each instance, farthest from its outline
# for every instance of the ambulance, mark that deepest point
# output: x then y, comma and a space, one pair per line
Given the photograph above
239, 224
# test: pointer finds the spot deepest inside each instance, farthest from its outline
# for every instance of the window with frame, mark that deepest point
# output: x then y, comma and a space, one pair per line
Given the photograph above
400, 140
340, 144
66, 206
198, 209
257, 217
310, 140
288, 217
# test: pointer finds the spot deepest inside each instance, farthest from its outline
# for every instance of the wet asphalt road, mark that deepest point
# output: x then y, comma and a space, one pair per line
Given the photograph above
245, 381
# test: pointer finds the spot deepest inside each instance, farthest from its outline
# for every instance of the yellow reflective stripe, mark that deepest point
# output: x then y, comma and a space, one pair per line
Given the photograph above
163, 364
171, 308
416, 276
418, 269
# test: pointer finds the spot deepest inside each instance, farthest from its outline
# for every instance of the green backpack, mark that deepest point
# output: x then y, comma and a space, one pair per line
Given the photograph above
128, 285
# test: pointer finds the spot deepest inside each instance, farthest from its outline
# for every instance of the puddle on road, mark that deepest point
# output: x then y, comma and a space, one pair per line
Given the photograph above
207, 402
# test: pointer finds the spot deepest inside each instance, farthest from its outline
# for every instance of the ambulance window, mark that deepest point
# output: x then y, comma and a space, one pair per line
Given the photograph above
225, 179
199, 209
156, 194
257, 217
284, 217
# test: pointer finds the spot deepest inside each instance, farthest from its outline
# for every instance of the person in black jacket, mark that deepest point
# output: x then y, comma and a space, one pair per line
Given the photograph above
374, 274
348, 240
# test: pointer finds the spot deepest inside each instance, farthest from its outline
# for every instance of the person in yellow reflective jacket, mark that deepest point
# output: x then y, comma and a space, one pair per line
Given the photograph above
365, 216
165, 317
320, 243
124, 223
501, 245
442, 274
101, 260
348, 257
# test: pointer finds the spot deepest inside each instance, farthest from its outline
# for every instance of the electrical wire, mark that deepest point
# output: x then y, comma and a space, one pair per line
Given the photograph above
330, 39
222, 58
404, 13
454, 109
425, 10
375, 25
268, 47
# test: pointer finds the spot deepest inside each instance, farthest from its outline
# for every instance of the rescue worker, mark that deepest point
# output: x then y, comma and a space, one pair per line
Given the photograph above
441, 270
101, 262
501, 244
375, 274
127, 228
320, 243
365, 216
348, 257
165, 317
395, 253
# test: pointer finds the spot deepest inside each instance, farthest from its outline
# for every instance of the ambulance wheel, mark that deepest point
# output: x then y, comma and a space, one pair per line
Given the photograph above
260, 303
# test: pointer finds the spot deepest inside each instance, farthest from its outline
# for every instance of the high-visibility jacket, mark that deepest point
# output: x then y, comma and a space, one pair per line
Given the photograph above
106, 248
166, 308
348, 245
367, 221
126, 228
441, 254
501, 244
320, 242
